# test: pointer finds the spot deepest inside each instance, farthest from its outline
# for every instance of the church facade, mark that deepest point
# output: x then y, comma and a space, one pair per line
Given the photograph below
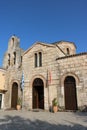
50, 71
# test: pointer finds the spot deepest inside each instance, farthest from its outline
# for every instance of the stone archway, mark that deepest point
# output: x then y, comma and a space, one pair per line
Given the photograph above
70, 93
14, 95
38, 93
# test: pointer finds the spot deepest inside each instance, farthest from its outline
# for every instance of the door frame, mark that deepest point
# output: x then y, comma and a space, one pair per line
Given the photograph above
13, 106
70, 93
62, 78
36, 86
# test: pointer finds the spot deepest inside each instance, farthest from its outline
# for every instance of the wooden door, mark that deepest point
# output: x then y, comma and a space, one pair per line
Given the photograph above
41, 97
14, 96
35, 98
70, 93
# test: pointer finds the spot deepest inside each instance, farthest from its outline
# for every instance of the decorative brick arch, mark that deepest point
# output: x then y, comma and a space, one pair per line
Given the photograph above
15, 81
69, 74
38, 76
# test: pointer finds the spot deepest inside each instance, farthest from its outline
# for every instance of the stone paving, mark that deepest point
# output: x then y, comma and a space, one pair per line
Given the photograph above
27, 120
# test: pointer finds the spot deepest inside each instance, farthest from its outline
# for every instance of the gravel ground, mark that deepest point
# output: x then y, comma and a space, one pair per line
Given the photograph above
28, 120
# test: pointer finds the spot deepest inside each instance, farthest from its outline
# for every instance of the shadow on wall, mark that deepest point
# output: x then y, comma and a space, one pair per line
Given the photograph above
19, 123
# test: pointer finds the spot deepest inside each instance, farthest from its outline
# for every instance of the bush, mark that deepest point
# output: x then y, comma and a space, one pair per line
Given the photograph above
19, 101
55, 102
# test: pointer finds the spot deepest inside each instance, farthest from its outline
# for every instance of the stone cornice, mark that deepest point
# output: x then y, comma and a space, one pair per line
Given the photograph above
74, 55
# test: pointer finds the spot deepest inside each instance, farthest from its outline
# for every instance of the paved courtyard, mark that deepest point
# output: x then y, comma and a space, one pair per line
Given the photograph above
27, 120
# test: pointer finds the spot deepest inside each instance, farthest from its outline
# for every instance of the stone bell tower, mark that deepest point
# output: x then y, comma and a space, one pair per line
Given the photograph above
12, 62
13, 56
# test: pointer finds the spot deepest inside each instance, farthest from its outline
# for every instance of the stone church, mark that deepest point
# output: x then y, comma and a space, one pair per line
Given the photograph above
50, 71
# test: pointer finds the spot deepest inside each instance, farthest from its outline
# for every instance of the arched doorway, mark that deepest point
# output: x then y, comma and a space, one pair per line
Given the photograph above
38, 93
14, 96
70, 93
0, 100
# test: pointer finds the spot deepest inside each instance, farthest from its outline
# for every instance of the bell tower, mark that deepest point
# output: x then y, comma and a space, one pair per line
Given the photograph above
13, 56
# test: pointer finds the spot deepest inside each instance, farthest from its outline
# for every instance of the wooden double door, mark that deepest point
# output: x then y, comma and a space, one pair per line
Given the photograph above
38, 94
70, 93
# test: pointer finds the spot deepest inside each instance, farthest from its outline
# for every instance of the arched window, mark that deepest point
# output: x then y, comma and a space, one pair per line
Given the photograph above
35, 56
14, 58
68, 52
40, 59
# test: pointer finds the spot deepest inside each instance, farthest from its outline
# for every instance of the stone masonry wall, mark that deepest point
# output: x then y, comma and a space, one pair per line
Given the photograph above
49, 64
75, 66
12, 75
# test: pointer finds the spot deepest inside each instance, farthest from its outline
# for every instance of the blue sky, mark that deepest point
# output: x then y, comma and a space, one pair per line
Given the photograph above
43, 20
